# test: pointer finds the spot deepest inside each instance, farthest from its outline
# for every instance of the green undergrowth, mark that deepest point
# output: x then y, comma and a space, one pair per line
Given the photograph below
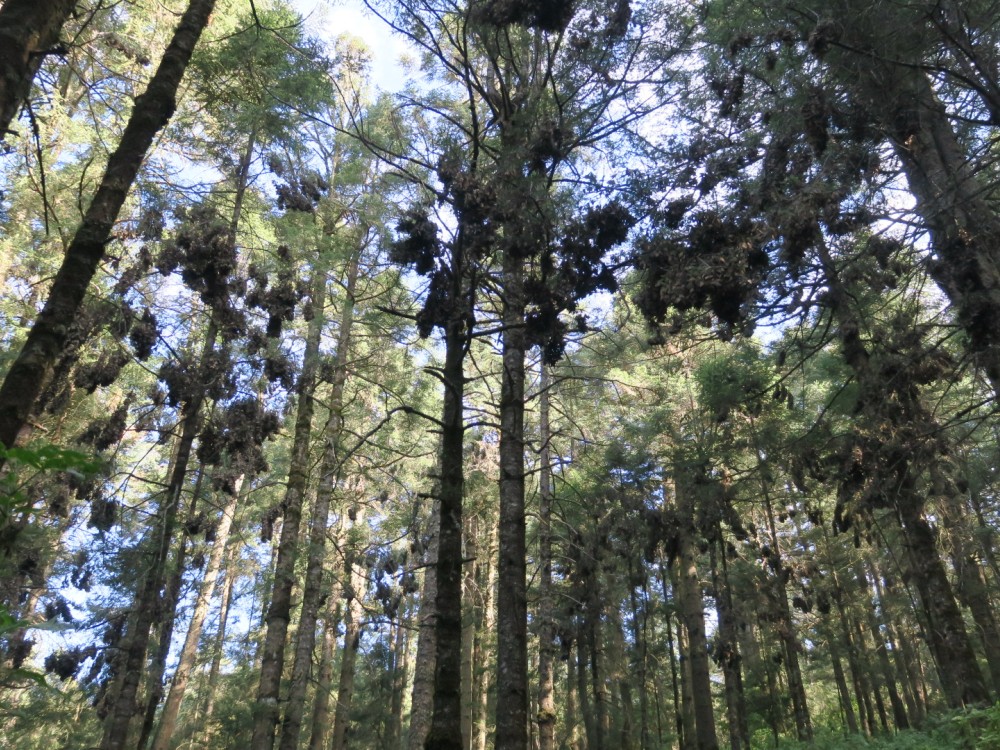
971, 729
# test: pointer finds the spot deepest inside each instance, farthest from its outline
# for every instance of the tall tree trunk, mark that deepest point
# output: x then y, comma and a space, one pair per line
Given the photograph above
31, 372
692, 612
331, 469
116, 728
483, 646
512, 595
422, 695
324, 679
677, 680
961, 677
29, 30
352, 639
400, 663
898, 709
727, 646
546, 605
218, 648
189, 651
470, 538
446, 720
272, 652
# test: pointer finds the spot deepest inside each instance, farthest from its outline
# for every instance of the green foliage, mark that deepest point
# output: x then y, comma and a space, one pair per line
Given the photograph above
971, 729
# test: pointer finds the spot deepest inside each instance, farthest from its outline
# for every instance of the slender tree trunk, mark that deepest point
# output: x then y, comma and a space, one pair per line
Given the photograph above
29, 30
469, 629
272, 652
400, 648
589, 723
331, 469
352, 639
673, 650
846, 705
546, 605
219, 647
422, 696
483, 646
116, 728
727, 647
189, 651
512, 595
31, 372
324, 679
898, 710
572, 723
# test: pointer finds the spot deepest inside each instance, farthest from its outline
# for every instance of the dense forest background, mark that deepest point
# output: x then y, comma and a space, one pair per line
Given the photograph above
623, 376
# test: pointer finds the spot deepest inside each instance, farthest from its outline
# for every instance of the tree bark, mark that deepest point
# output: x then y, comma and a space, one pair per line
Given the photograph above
512, 595
189, 651
331, 470
116, 727
218, 648
546, 605
422, 695
32, 371
727, 647
29, 30
446, 720
324, 680
272, 652
692, 613
352, 639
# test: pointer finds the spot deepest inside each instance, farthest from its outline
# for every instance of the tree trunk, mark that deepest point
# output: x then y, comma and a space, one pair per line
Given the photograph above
400, 649
898, 710
512, 596
192, 641
324, 680
469, 629
217, 651
727, 647
961, 677
352, 639
120, 716
272, 652
422, 696
32, 371
446, 721
331, 470
29, 30
692, 613
546, 605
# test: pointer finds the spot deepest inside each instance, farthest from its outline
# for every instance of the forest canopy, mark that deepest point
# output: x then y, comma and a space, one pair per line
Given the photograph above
602, 374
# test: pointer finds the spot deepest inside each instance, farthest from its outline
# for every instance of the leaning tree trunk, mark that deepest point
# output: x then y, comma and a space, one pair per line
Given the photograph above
29, 30
279, 610
962, 680
189, 651
331, 470
950, 196
32, 371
